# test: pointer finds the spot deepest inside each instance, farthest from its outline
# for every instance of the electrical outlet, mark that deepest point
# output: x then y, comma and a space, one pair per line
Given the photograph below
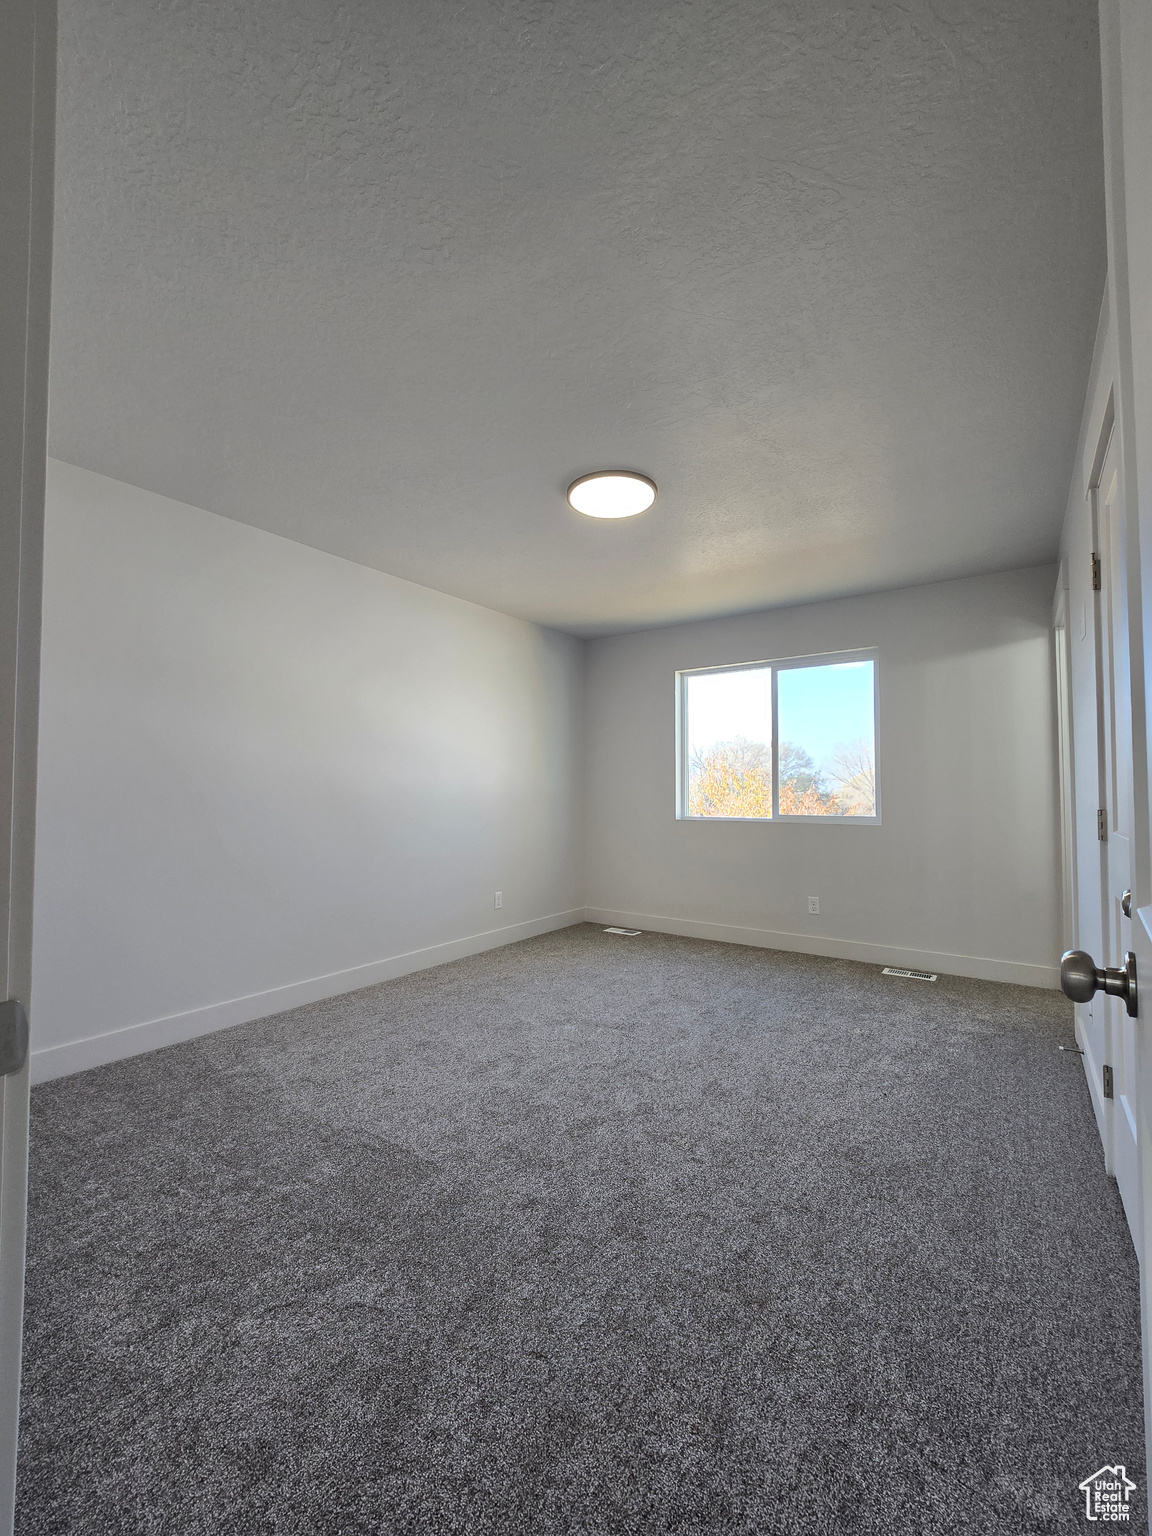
814, 905
499, 900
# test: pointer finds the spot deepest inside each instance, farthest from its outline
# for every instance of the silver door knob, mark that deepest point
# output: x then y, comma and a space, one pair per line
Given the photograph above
1081, 978
1126, 903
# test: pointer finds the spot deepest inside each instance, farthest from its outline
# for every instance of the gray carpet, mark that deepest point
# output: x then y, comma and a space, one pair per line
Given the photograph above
588, 1234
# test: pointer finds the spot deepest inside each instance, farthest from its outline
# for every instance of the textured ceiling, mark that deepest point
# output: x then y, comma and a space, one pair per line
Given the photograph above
384, 278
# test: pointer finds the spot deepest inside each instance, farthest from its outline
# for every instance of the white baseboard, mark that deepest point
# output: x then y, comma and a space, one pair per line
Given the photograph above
977, 966
79, 1055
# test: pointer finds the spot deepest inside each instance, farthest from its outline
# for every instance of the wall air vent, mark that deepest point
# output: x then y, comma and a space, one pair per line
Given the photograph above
631, 933
892, 970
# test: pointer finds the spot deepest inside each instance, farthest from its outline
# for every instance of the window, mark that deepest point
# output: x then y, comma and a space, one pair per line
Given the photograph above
781, 740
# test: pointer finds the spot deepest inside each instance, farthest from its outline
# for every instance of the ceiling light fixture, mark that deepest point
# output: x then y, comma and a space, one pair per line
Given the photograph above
612, 493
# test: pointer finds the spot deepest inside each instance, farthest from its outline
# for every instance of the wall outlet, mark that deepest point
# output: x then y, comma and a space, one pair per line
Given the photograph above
498, 900
814, 905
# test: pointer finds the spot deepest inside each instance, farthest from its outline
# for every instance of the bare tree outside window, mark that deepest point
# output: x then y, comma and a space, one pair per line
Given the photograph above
854, 776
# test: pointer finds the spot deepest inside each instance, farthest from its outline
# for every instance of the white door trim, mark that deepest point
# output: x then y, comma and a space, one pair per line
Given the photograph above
27, 151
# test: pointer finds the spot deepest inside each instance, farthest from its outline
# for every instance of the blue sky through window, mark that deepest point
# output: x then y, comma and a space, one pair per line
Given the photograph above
821, 708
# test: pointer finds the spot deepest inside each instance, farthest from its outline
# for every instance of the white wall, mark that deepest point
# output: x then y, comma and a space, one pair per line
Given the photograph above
269, 775
963, 873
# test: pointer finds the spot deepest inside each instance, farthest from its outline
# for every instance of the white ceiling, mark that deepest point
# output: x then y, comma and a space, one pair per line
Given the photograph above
385, 277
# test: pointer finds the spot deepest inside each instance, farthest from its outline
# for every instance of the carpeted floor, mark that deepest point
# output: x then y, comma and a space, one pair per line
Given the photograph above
588, 1234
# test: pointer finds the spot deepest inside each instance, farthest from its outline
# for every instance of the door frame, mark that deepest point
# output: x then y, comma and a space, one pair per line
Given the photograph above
1126, 97
1062, 654
1084, 876
27, 163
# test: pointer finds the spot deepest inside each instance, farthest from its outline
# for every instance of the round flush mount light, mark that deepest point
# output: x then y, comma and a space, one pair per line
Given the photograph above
612, 493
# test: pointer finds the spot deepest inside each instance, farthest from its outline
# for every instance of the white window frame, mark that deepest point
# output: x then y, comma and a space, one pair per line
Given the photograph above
780, 664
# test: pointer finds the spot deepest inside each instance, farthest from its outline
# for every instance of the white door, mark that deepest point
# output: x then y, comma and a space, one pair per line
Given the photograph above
27, 123
1115, 718
1084, 858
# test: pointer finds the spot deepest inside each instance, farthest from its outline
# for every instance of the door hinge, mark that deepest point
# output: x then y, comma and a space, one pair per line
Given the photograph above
13, 1037
1107, 1073
1102, 826
1096, 573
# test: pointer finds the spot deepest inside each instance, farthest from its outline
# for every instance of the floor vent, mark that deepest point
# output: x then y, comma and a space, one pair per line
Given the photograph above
632, 933
892, 970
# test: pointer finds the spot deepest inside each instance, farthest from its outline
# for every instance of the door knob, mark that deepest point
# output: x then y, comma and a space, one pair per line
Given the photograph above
1126, 903
1081, 978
